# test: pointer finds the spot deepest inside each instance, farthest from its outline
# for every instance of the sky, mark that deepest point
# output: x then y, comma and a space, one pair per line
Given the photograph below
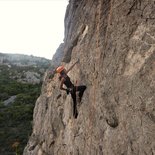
32, 27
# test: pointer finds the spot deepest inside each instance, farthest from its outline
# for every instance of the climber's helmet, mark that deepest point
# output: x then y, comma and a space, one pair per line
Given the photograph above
60, 69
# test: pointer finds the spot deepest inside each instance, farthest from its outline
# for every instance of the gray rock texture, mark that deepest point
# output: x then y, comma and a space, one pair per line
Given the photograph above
31, 77
115, 42
10, 100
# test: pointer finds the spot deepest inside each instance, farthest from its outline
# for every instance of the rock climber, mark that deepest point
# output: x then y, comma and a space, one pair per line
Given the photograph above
70, 88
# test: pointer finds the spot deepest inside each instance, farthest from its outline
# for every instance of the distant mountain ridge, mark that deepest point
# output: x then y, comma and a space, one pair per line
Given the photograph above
24, 68
23, 60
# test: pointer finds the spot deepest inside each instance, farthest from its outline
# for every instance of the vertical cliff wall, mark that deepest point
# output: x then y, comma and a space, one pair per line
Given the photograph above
115, 42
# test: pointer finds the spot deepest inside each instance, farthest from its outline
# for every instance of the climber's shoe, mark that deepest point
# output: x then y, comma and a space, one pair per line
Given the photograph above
75, 114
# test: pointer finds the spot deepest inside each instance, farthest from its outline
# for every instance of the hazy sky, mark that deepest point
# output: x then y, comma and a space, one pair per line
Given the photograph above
32, 26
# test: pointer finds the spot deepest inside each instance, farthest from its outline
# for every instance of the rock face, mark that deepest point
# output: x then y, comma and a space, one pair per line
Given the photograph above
31, 77
115, 42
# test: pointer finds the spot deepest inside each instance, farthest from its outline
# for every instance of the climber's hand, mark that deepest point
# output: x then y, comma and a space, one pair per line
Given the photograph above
67, 91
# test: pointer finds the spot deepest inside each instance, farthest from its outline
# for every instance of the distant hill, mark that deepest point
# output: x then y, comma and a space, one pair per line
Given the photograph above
23, 60
24, 68
20, 85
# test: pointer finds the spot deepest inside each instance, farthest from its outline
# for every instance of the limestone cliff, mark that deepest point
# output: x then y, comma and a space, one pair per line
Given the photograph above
115, 42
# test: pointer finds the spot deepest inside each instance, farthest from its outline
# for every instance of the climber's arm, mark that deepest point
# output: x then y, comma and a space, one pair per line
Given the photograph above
61, 84
72, 66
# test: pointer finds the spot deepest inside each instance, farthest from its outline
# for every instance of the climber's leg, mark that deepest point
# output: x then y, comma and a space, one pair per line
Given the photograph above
81, 90
75, 113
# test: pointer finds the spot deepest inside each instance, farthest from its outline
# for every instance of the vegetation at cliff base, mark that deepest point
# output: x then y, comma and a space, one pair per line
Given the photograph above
15, 116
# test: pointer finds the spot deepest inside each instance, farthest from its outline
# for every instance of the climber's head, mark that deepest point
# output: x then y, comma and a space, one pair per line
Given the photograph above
61, 70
